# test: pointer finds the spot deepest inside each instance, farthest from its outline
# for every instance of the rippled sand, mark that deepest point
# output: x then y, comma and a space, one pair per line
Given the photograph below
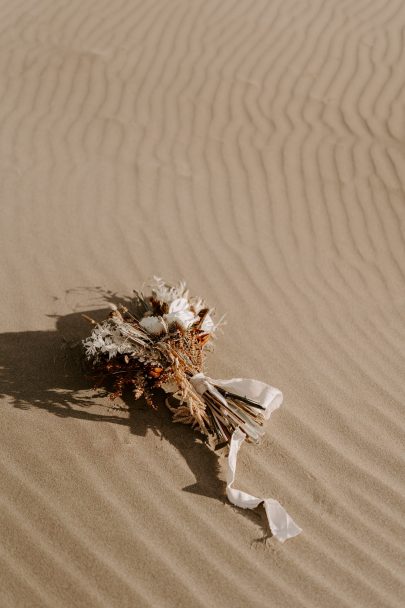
254, 149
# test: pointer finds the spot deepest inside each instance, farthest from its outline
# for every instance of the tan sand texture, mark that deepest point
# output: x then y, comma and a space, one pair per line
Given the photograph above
255, 149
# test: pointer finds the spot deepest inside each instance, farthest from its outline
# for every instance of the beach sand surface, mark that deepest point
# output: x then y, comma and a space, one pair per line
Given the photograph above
256, 150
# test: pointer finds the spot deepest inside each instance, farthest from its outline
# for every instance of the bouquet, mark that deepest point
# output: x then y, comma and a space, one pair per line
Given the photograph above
159, 343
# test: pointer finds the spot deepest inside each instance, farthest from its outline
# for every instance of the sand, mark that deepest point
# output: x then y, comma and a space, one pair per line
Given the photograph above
254, 149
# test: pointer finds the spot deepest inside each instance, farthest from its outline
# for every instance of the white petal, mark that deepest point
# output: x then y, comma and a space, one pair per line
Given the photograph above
153, 325
184, 318
178, 305
208, 325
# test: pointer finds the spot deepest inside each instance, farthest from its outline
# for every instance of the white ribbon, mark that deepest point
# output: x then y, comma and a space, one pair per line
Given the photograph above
281, 524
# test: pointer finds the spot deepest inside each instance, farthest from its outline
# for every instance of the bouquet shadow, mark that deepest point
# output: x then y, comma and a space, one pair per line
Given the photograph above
43, 369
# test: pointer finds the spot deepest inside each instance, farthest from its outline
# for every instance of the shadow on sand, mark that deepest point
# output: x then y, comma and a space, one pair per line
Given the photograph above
43, 369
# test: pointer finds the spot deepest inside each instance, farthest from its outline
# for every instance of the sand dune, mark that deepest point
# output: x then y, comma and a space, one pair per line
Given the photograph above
255, 150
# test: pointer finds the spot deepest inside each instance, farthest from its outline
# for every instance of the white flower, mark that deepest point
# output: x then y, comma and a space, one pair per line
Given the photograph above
178, 305
208, 326
95, 343
89, 347
104, 340
153, 325
165, 293
111, 348
184, 318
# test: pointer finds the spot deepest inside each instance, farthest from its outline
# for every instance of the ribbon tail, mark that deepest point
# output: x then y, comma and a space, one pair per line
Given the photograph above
282, 526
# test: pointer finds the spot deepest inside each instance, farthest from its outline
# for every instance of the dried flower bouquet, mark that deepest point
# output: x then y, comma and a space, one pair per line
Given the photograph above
161, 343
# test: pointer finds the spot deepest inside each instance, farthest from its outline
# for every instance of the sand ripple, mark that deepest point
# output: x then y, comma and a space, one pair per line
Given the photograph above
254, 149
